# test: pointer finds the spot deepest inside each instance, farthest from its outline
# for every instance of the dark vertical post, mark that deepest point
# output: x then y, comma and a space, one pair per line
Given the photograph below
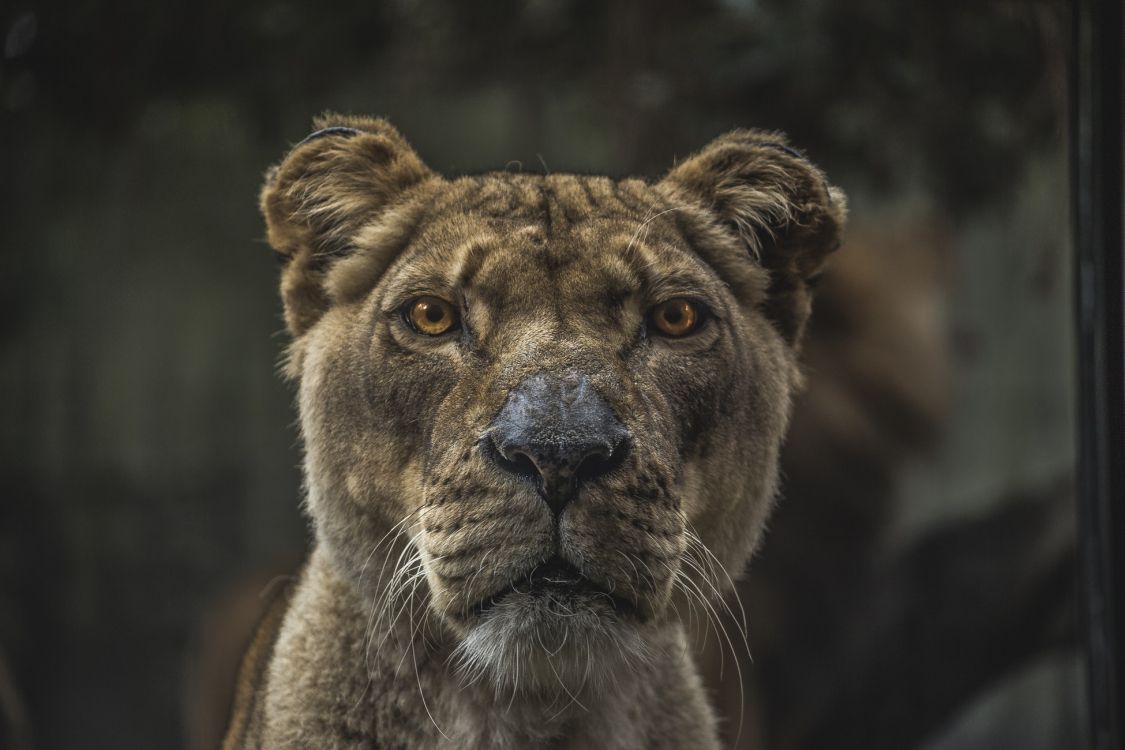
1096, 157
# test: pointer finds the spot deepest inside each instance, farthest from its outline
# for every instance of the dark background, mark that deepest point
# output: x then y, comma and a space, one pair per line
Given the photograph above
148, 460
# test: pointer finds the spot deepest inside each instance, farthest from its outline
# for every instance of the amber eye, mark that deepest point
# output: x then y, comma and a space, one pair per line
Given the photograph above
677, 317
432, 316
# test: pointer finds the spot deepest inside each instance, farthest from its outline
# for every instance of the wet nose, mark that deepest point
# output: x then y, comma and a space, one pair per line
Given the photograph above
558, 430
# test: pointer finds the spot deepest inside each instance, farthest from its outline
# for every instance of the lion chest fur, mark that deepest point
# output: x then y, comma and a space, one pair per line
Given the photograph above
321, 694
541, 419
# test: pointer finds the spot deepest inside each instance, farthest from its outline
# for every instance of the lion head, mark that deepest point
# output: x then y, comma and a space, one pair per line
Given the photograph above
547, 406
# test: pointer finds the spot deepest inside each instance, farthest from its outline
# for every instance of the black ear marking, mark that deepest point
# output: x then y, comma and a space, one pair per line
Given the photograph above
326, 132
797, 155
787, 149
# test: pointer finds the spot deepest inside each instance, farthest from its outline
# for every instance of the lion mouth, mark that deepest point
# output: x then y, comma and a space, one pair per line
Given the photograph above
556, 586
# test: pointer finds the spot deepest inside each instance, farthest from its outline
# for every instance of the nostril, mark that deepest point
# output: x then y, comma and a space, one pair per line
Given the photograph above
602, 460
521, 463
510, 459
593, 464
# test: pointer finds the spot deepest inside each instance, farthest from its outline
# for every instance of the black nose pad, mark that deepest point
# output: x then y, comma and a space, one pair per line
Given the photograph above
560, 431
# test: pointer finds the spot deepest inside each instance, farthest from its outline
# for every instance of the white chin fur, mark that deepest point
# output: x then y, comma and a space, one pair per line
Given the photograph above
535, 643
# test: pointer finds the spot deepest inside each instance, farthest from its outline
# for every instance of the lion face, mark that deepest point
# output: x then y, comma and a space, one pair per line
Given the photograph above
559, 398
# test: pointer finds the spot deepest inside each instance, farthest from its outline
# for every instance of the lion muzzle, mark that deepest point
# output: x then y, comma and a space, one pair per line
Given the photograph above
558, 431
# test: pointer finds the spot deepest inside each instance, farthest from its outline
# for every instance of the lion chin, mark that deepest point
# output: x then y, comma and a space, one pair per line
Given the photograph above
554, 632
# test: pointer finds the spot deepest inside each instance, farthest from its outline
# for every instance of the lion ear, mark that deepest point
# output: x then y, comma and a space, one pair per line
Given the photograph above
778, 205
343, 177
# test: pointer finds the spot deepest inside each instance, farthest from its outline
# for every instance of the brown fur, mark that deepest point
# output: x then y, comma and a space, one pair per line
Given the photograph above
385, 643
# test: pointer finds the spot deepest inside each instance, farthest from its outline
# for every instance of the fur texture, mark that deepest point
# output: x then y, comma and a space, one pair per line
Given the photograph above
422, 619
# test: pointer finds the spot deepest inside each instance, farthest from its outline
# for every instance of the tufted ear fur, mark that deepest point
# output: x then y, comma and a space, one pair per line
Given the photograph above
342, 178
779, 206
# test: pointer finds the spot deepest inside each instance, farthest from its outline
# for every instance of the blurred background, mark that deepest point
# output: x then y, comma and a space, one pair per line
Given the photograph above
917, 588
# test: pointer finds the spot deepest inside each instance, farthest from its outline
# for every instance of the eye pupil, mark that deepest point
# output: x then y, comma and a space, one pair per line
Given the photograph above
676, 318
432, 316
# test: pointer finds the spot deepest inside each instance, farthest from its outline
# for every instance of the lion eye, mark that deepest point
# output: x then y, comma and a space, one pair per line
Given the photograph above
677, 317
432, 316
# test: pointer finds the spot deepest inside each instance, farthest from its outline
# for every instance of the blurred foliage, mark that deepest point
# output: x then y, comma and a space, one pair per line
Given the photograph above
959, 92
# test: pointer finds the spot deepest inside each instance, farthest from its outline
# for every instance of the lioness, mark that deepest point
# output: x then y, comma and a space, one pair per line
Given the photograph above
541, 417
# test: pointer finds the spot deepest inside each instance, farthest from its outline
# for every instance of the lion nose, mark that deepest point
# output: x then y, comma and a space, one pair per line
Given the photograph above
559, 430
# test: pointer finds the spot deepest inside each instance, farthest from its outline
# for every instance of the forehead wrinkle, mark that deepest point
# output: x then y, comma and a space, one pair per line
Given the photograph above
443, 254
669, 271
427, 272
515, 282
472, 257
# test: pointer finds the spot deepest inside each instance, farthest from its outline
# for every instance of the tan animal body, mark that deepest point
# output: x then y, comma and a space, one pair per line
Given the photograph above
541, 418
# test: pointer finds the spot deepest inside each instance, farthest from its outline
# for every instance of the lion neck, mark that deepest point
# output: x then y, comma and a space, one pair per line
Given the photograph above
341, 672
